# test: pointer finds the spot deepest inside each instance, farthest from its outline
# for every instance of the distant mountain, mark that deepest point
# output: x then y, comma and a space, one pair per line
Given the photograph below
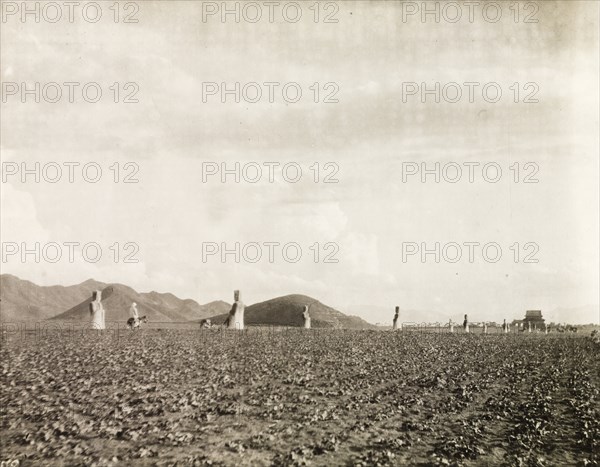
287, 311
117, 307
23, 300
218, 306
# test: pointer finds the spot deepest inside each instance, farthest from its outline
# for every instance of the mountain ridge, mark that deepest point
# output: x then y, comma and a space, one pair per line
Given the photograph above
287, 311
24, 300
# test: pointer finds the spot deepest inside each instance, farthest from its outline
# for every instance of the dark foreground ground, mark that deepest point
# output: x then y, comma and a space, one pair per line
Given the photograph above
177, 397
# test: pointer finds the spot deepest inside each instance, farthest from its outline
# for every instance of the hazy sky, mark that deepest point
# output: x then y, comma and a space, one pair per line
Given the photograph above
371, 133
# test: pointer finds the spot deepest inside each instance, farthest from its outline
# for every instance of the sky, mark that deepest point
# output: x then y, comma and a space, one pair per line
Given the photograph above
374, 58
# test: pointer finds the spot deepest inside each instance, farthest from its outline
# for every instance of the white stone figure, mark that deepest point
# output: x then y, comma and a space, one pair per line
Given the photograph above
505, 327
306, 317
396, 316
133, 313
528, 326
97, 311
485, 328
466, 324
236, 315
451, 325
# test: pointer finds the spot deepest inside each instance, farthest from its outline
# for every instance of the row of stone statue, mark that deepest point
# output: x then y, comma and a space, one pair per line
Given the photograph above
466, 325
235, 320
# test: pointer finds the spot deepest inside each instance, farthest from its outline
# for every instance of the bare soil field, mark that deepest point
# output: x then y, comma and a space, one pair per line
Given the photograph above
298, 397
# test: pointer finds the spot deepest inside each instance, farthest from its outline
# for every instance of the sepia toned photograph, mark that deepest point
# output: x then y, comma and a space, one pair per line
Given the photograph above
299, 233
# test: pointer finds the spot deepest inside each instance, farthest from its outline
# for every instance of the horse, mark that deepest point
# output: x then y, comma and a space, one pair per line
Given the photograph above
206, 323
133, 324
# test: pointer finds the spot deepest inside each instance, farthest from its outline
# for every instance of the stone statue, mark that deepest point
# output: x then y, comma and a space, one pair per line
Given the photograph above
451, 325
97, 311
396, 316
505, 327
466, 324
236, 315
485, 328
306, 317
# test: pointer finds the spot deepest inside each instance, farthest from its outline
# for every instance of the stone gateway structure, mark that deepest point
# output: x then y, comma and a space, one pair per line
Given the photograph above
534, 320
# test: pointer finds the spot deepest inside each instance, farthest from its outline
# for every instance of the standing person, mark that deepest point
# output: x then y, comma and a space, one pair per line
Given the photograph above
97, 311
133, 313
396, 316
